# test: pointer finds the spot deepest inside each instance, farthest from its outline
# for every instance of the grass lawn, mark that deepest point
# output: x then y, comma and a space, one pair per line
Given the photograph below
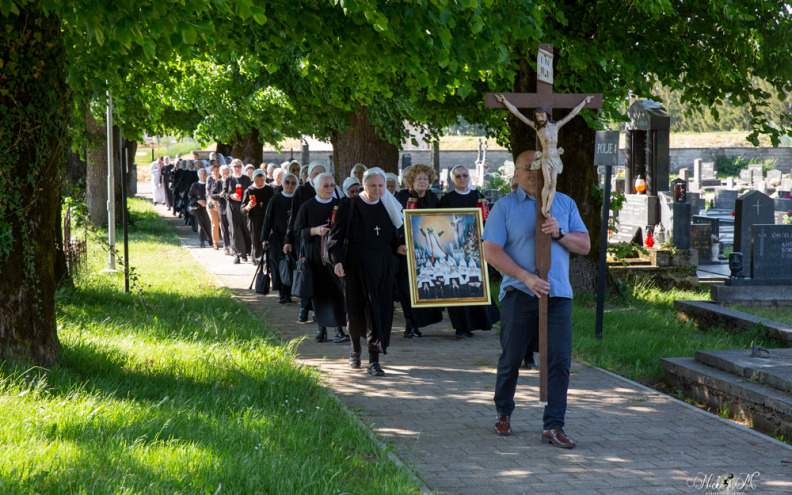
175, 389
644, 328
780, 314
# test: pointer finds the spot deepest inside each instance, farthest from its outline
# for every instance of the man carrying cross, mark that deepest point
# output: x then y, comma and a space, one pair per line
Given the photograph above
510, 246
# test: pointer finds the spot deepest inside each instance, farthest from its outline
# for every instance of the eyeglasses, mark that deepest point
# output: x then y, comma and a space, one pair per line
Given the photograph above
237, 166
461, 176
421, 179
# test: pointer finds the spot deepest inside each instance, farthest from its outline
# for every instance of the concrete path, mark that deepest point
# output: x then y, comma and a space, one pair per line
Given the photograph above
434, 406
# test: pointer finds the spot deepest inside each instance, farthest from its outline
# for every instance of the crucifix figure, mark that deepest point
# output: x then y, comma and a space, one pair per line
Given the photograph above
548, 159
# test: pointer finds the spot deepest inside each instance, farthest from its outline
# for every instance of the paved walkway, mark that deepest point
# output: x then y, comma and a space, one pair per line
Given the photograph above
434, 406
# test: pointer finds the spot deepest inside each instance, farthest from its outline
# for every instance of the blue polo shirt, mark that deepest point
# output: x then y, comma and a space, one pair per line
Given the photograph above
512, 225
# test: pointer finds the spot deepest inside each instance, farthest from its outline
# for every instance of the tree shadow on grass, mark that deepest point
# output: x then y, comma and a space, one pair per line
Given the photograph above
193, 434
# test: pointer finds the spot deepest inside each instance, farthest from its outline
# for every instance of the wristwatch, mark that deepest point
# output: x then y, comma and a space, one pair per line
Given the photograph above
561, 235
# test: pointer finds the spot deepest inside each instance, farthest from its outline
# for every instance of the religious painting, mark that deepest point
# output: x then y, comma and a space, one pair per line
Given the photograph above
444, 257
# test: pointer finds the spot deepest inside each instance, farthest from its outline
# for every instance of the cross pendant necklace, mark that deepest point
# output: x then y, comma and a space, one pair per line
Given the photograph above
377, 229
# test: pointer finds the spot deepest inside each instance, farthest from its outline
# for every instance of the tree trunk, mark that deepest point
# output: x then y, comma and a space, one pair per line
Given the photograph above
224, 149
130, 149
577, 180
360, 143
75, 169
249, 149
35, 117
96, 171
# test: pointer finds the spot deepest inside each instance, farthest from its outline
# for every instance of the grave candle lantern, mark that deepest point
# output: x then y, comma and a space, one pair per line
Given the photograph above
640, 185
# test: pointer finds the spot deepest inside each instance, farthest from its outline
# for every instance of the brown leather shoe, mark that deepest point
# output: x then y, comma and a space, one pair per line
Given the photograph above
503, 425
557, 437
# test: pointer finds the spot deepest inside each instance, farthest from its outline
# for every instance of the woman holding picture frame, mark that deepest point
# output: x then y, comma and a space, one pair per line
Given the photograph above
466, 319
417, 180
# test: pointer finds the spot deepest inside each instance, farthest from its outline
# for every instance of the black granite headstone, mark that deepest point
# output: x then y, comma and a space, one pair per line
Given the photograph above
680, 228
782, 204
639, 209
751, 208
712, 221
700, 240
772, 252
725, 199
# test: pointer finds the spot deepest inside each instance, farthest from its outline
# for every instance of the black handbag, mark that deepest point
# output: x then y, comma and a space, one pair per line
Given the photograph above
302, 279
285, 269
262, 277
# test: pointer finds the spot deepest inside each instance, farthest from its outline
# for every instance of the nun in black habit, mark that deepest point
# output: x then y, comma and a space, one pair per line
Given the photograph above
255, 200
273, 234
240, 235
363, 241
302, 194
197, 195
311, 223
465, 319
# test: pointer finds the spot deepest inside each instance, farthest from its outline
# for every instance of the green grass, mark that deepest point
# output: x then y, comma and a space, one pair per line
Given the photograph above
642, 329
175, 389
780, 314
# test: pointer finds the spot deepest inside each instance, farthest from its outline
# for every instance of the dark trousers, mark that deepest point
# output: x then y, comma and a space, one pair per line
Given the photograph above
520, 323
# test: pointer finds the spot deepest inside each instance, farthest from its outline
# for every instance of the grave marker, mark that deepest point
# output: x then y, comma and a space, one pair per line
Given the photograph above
772, 252
751, 208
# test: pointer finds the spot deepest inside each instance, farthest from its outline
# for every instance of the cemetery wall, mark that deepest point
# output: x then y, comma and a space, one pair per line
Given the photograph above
680, 157
683, 157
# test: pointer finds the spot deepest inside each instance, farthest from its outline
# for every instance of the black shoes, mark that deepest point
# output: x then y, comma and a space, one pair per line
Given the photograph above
410, 332
464, 335
321, 335
303, 317
340, 336
354, 360
236, 260
375, 369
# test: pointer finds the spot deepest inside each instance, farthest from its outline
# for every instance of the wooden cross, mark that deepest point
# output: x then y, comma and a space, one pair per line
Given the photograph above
544, 97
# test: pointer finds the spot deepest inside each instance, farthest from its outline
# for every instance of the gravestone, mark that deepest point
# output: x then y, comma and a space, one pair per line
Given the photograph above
713, 222
752, 208
647, 150
772, 252
729, 182
779, 217
786, 185
782, 204
675, 217
701, 241
774, 176
745, 176
684, 174
757, 174
708, 170
695, 201
725, 199
640, 210
696, 175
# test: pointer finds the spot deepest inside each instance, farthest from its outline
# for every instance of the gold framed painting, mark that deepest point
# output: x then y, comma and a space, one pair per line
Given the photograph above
444, 257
